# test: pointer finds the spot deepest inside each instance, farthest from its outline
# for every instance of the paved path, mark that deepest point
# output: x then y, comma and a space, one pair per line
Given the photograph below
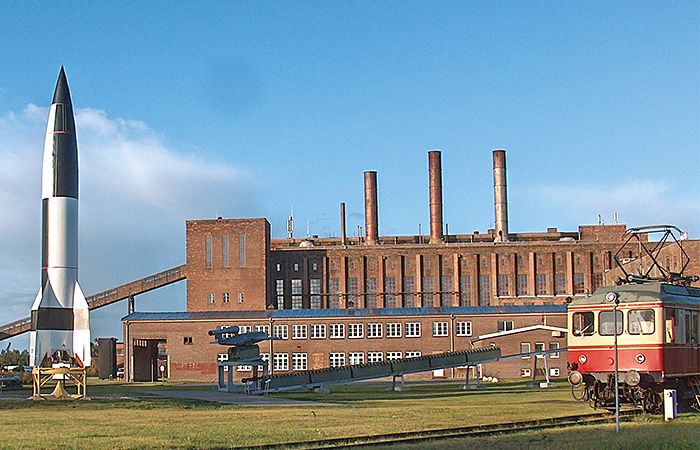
237, 399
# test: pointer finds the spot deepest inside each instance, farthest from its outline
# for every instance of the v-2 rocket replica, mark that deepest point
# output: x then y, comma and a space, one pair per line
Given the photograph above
60, 329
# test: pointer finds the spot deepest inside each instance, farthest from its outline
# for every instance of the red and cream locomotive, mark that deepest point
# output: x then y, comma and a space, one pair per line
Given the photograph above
654, 321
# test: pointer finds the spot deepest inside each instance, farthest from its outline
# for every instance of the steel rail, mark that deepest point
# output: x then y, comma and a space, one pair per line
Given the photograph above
447, 433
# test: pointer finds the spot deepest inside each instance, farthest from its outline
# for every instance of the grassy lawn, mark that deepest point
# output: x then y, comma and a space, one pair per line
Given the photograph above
642, 434
125, 416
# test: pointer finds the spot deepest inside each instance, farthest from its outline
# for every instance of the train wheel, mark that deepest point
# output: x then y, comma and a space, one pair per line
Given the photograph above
651, 402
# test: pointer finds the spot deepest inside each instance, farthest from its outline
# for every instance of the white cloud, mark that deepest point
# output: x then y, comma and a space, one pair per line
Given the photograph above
136, 193
637, 203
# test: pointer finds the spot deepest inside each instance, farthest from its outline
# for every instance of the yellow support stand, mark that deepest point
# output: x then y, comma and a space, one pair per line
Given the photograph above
43, 377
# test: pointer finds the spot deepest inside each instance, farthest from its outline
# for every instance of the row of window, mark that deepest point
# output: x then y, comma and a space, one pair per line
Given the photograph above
539, 347
208, 253
430, 296
682, 326
527, 372
225, 297
299, 360
359, 330
465, 263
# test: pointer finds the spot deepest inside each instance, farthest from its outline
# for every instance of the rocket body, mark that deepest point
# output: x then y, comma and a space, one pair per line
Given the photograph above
60, 320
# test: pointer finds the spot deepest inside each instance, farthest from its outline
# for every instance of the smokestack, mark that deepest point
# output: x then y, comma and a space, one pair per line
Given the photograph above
343, 236
435, 175
371, 221
500, 194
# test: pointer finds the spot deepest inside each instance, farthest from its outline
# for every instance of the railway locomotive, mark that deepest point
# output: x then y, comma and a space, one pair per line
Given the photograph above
649, 320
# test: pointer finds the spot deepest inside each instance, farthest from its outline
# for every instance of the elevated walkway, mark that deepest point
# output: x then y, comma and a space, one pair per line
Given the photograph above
123, 292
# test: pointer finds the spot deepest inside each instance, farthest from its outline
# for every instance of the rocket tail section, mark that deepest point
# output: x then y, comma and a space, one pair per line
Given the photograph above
54, 328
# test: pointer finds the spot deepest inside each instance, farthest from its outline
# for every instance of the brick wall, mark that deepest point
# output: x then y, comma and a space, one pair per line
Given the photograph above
239, 282
192, 357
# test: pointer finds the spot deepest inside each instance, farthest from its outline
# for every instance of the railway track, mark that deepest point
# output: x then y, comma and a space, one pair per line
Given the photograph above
447, 433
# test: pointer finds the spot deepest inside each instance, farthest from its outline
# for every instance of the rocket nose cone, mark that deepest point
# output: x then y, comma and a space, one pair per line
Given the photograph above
62, 94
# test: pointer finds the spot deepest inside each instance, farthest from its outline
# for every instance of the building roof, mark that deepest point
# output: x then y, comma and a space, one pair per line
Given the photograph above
341, 313
642, 293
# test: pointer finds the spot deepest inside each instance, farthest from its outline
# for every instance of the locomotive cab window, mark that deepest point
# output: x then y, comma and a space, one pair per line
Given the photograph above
640, 321
582, 324
606, 325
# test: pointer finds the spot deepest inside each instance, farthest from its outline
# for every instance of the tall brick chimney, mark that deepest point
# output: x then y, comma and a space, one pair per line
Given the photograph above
371, 216
435, 176
500, 195
343, 236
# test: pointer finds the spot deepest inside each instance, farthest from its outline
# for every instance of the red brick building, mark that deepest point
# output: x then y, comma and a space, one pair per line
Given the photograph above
336, 301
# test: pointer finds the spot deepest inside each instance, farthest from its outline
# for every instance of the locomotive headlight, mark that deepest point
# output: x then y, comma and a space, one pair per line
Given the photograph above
640, 358
582, 359
632, 378
575, 378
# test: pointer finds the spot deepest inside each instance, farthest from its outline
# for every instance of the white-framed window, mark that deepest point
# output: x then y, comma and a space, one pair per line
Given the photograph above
299, 361
226, 297
244, 329
374, 330
441, 329
265, 357
281, 361
356, 358
280, 331
393, 355
356, 330
464, 328
318, 331
244, 368
262, 328
225, 335
374, 357
525, 372
412, 329
221, 357
212, 297
539, 347
505, 325
240, 297
552, 346
525, 348
554, 372
298, 331
412, 354
393, 330
337, 331
336, 359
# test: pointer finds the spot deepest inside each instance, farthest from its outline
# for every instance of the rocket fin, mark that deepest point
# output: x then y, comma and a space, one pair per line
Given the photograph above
37, 300
46, 298
81, 326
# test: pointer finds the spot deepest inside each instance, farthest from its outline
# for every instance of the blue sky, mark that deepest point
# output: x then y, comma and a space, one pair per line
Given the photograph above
247, 109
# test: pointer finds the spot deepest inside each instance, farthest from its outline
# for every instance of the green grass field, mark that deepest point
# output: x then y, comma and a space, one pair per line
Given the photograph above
126, 416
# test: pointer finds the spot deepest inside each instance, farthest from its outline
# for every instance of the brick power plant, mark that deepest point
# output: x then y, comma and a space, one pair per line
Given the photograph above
340, 301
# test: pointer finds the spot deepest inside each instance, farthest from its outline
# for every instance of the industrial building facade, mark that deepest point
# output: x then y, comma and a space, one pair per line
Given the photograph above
338, 301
